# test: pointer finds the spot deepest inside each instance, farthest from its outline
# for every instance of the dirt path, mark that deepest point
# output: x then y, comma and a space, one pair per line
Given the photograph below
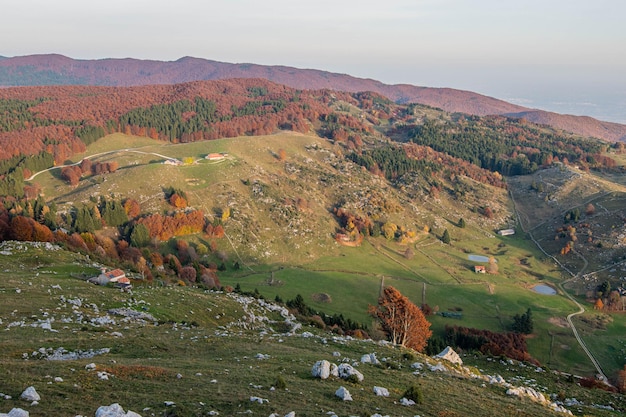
96, 155
581, 309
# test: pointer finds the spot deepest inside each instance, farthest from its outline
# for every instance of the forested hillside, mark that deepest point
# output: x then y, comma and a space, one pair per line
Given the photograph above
51, 69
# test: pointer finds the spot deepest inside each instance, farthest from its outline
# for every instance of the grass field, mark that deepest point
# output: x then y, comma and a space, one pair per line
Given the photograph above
266, 234
202, 354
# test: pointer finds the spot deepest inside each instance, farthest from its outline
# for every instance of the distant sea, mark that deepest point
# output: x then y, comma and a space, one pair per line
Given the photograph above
609, 109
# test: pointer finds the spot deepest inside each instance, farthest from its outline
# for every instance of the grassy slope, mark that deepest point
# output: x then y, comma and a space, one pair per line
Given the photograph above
218, 373
299, 249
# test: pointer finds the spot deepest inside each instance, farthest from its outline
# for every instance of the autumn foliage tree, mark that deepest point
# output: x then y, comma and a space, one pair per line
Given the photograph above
621, 380
402, 320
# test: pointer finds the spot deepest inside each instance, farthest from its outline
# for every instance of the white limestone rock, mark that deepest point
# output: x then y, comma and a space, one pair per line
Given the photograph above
450, 355
114, 410
370, 358
381, 392
345, 371
437, 368
344, 394
321, 369
16, 412
30, 394
406, 402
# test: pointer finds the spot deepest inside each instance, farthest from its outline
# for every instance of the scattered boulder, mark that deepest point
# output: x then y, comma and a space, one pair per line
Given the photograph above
16, 412
370, 358
345, 371
344, 394
114, 410
528, 393
496, 380
321, 369
259, 400
406, 402
450, 355
30, 394
381, 392
437, 368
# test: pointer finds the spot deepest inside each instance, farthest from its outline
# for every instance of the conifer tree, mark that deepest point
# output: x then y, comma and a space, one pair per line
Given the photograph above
445, 238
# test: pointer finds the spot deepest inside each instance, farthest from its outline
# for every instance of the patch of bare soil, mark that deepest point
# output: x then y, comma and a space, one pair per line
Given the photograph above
322, 298
558, 321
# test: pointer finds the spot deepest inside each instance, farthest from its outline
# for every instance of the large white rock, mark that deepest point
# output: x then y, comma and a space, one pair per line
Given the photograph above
16, 412
30, 394
321, 369
114, 410
450, 355
381, 392
406, 402
370, 358
345, 371
344, 394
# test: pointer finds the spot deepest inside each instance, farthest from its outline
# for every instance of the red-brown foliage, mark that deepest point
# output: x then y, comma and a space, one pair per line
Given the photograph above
402, 320
188, 273
621, 380
180, 224
71, 174
178, 201
510, 344
77, 242
132, 208
22, 228
215, 232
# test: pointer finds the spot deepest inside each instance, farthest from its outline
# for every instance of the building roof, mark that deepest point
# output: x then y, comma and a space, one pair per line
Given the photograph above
115, 274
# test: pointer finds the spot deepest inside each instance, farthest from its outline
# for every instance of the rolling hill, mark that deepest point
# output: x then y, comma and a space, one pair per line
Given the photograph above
327, 195
57, 69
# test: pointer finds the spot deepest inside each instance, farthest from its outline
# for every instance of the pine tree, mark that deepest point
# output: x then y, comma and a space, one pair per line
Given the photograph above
445, 238
140, 236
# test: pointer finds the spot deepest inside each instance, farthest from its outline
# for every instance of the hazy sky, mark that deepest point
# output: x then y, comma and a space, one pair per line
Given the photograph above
562, 55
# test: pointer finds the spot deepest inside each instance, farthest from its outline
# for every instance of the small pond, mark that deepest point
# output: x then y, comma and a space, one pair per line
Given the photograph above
544, 289
478, 258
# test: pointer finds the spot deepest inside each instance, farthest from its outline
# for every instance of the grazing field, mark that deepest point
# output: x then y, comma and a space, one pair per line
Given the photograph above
284, 250
200, 353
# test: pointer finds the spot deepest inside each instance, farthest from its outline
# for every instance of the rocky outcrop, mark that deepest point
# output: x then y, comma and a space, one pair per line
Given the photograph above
450, 355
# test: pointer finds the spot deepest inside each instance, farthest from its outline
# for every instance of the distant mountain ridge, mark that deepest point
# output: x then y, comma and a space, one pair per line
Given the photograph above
54, 69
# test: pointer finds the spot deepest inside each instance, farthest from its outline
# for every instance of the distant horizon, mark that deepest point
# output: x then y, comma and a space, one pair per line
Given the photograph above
561, 55
577, 104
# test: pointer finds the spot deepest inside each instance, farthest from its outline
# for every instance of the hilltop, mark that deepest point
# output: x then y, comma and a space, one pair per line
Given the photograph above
60, 70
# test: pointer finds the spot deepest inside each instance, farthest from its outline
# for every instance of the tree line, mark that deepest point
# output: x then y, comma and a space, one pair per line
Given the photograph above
507, 146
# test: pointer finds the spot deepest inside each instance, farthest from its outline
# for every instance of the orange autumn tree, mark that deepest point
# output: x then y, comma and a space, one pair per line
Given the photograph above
402, 320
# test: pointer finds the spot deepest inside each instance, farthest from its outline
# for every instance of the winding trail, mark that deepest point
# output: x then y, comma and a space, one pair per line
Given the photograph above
96, 155
574, 276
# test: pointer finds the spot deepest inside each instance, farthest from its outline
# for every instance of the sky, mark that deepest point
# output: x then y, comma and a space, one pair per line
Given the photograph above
567, 56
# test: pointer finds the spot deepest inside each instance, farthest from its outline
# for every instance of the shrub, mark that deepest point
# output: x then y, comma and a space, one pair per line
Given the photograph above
414, 393
280, 383
353, 379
